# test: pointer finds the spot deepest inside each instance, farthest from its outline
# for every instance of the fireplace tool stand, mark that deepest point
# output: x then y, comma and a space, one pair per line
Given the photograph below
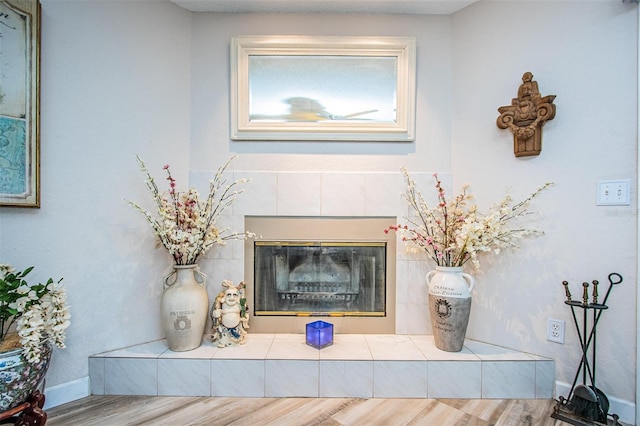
587, 405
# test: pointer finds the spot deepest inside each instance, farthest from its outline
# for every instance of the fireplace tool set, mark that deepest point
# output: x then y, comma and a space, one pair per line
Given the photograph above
586, 404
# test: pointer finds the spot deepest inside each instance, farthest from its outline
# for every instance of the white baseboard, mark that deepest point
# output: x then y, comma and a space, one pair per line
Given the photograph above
66, 392
626, 410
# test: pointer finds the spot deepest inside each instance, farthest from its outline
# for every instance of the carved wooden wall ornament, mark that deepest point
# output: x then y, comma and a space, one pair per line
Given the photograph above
525, 117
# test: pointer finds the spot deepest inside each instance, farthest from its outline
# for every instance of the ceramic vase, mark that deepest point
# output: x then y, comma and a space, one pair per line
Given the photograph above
184, 307
19, 379
449, 306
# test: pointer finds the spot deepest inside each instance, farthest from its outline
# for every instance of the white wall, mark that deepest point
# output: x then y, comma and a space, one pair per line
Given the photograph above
585, 53
115, 81
148, 77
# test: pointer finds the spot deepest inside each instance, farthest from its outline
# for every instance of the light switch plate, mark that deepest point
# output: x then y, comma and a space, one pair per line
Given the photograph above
614, 192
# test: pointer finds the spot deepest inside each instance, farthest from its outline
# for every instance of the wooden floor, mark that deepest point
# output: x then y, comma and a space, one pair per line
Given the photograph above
182, 411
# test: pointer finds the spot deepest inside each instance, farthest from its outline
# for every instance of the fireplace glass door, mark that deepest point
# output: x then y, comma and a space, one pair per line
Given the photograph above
319, 278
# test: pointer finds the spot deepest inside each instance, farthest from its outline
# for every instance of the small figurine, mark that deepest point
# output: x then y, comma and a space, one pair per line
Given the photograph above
229, 315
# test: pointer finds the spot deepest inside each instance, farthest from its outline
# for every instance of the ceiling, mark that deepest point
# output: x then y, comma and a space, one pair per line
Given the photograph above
411, 7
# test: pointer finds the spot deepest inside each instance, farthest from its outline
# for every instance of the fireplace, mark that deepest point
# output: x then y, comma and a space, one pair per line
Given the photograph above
339, 268
316, 278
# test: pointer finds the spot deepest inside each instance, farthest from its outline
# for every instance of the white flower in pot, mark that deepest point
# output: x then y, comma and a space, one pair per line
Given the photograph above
33, 318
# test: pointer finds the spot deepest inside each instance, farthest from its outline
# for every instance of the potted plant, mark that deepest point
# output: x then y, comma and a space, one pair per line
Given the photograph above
452, 233
33, 319
186, 225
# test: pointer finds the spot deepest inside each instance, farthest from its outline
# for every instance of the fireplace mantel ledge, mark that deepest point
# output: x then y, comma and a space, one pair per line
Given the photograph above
356, 365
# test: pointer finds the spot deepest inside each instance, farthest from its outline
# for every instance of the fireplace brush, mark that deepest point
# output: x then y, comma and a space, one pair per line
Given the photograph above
587, 401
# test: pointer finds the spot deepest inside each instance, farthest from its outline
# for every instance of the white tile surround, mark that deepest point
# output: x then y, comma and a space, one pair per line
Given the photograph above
361, 366
326, 194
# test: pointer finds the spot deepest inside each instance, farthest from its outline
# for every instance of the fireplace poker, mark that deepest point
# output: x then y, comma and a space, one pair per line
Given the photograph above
585, 305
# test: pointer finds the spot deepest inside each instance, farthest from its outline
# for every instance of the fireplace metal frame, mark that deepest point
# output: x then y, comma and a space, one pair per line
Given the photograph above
330, 229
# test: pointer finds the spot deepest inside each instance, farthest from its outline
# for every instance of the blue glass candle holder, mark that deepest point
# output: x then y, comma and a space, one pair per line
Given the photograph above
319, 334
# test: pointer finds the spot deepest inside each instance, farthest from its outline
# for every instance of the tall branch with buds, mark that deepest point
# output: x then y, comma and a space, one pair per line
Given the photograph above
454, 232
185, 224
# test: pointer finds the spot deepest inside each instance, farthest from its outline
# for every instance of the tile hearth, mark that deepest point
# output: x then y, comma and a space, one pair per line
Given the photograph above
357, 365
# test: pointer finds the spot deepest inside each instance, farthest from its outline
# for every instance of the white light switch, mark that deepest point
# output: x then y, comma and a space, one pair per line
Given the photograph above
614, 192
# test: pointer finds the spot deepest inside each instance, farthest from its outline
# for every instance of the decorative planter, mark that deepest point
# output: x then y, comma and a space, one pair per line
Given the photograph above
19, 379
449, 306
184, 307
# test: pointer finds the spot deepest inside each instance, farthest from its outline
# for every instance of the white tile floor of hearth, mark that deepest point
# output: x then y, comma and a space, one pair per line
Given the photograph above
356, 365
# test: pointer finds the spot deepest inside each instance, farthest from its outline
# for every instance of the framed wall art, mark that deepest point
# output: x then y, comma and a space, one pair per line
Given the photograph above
19, 103
323, 88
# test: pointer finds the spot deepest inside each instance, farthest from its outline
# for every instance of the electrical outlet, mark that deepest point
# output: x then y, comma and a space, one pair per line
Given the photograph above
614, 192
555, 330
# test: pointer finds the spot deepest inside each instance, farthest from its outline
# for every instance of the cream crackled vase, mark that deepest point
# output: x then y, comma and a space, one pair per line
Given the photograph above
449, 306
